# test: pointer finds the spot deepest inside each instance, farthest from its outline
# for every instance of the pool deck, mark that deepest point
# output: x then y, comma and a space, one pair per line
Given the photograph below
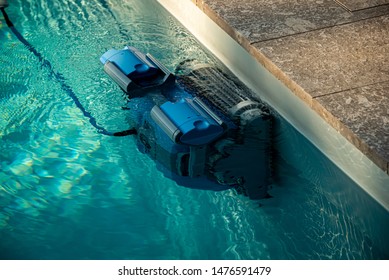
334, 55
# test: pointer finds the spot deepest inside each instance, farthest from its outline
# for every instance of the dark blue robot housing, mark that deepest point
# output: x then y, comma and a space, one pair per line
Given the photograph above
133, 70
205, 128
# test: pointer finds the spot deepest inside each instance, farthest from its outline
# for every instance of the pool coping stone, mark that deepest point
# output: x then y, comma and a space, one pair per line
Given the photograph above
352, 49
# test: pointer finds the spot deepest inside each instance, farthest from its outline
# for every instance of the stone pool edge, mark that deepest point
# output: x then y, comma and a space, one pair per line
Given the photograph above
312, 102
293, 108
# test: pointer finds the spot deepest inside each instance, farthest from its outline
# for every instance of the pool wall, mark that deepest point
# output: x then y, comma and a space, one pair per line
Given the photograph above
341, 152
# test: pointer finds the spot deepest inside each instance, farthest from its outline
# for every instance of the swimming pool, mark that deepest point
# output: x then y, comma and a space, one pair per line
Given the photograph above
67, 192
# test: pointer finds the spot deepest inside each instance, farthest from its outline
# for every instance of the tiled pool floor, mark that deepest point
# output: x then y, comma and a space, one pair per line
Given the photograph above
334, 55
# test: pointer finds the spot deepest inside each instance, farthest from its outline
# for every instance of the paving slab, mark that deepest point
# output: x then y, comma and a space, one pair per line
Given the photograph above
334, 59
259, 20
344, 73
362, 115
334, 55
355, 5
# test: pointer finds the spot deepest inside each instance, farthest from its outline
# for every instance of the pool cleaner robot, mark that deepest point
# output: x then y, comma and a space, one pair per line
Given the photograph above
198, 123
201, 126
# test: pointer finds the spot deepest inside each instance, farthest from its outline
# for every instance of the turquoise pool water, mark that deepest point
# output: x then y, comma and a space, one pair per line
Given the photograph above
67, 192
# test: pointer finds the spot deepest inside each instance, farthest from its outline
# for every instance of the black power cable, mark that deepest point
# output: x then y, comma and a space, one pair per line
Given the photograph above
59, 78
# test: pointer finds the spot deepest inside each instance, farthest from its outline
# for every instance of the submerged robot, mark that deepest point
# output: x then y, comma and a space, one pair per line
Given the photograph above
198, 124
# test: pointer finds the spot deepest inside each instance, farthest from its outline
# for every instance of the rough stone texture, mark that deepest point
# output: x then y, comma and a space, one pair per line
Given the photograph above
365, 112
260, 20
346, 60
336, 60
354, 5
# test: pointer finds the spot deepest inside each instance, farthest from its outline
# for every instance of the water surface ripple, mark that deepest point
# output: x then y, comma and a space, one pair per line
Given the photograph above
67, 192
